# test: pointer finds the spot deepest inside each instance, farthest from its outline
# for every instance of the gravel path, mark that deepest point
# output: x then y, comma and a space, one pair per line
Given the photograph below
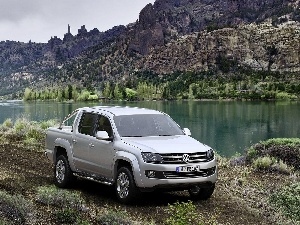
22, 171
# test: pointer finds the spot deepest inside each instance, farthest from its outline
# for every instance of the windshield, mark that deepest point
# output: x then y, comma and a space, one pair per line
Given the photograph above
143, 125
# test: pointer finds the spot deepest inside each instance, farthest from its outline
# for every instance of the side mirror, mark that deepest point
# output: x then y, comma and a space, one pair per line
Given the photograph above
187, 131
103, 135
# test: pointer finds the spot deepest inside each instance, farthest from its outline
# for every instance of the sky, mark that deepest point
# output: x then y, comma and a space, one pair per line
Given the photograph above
39, 20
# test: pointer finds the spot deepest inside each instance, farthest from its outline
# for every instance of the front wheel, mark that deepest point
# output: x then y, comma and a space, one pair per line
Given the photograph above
199, 193
125, 187
62, 172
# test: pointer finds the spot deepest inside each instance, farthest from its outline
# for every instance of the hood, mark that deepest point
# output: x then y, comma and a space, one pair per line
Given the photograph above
169, 144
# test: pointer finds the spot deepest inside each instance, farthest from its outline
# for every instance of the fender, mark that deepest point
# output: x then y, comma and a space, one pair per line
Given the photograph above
132, 159
60, 142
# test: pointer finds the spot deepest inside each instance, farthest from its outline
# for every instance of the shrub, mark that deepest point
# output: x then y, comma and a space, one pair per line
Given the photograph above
8, 123
285, 149
264, 163
82, 222
20, 125
183, 214
288, 200
84, 96
3, 222
49, 123
67, 216
93, 97
51, 195
31, 133
267, 163
35, 132
114, 218
285, 96
15, 208
290, 142
251, 154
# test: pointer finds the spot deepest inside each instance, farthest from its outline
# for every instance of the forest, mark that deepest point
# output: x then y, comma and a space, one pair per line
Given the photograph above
247, 85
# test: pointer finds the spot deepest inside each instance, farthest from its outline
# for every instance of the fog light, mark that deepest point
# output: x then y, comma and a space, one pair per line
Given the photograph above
150, 173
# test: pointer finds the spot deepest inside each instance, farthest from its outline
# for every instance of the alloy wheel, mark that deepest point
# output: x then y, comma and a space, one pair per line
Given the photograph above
60, 171
123, 185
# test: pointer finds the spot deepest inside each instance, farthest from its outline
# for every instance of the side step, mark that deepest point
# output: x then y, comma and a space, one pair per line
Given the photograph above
98, 179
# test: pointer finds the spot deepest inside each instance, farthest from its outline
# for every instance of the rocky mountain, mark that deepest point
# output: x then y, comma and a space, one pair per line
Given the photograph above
170, 19
23, 64
169, 36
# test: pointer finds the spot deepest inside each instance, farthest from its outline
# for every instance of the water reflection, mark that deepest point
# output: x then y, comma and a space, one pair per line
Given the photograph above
229, 127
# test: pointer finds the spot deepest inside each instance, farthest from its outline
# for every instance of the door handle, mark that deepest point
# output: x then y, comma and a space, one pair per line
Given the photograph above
91, 145
74, 141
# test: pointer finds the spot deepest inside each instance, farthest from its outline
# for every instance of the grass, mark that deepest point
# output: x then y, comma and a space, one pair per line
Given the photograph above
290, 142
183, 214
267, 186
66, 216
69, 206
287, 200
113, 217
51, 195
4, 222
31, 134
15, 208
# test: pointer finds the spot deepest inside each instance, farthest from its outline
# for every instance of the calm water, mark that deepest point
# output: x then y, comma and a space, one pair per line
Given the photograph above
228, 127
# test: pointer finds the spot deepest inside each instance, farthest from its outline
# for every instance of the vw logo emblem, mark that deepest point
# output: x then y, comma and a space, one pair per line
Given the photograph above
185, 158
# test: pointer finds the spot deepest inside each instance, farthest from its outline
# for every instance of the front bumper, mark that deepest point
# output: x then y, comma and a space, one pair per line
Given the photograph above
165, 175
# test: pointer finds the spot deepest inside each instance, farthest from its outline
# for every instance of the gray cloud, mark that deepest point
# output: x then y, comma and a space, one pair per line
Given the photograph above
16, 10
38, 20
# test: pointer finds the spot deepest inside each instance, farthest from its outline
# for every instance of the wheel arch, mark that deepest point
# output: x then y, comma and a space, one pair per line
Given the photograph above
128, 160
63, 147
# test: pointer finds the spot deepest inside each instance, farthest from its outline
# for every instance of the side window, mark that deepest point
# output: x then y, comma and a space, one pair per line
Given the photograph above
104, 125
87, 124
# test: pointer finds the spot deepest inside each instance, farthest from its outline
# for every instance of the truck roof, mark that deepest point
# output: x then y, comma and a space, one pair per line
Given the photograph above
120, 110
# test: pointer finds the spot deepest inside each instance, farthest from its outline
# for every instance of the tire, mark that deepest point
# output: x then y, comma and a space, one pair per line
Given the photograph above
62, 172
198, 193
125, 187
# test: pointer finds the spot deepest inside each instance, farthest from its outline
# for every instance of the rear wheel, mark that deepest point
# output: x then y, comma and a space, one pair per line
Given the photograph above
62, 172
125, 186
201, 193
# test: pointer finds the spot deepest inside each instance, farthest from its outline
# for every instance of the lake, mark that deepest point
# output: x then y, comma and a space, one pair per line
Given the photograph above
227, 126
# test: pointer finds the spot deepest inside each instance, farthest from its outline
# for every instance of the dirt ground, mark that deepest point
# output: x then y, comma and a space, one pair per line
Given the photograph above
239, 197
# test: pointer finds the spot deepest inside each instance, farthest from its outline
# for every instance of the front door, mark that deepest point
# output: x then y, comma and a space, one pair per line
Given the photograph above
102, 151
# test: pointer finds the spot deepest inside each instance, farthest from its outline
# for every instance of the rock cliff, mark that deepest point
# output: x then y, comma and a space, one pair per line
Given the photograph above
166, 20
247, 46
169, 36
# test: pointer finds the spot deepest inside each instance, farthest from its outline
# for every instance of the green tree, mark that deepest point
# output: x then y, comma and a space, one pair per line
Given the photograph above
70, 92
59, 95
107, 91
117, 93
27, 94
74, 93
130, 94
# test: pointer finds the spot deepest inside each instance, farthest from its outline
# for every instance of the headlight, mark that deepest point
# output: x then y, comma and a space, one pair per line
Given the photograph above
149, 157
210, 154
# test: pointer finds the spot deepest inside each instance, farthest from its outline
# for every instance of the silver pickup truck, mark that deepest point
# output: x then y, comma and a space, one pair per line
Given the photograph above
133, 149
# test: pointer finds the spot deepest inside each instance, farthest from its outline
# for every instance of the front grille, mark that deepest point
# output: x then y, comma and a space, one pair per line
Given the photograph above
176, 158
198, 174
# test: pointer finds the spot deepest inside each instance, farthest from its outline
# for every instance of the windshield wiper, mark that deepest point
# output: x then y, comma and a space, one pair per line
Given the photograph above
165, 135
